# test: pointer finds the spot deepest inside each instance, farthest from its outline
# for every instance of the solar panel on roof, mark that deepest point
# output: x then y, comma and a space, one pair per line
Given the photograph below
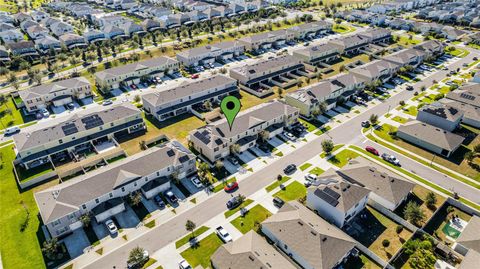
327, 198
183, 159
92, 121
69, 128
331, 192
170, 153
202, 137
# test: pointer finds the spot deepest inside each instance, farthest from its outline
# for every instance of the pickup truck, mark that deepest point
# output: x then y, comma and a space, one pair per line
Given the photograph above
223, 234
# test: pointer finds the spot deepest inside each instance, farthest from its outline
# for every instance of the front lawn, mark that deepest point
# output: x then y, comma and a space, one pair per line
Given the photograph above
342, 158
252, 219
293, 191
316, 171
235, 210
201, 253
277, 183
412, 110
182, 241
400, 119
305, 166
335, 148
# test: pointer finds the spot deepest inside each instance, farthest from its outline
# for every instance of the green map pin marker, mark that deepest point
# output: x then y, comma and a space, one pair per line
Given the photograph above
230, 107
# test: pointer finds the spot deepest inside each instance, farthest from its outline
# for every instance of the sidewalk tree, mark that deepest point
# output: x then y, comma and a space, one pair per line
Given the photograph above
327, 146
136, 255
190, 226
374, 119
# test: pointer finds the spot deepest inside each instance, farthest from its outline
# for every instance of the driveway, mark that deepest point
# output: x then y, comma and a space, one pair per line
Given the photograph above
76, 243
187, 183
251, 160
340, 109
86, 101
231, 168
116, 92
331, 113
127, 218
322, 119
100, 229
57, 109
149, 204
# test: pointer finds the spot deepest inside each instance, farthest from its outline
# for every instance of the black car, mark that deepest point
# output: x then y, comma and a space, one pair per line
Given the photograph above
409, 88
278, 202
264, 147
234, 202
290, 169
170, 196
159, 201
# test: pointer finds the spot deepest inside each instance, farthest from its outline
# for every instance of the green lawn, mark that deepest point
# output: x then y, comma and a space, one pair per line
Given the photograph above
335, 148
316, 171
305, 166
458, 52
200, 254
343, 28
342, 158
384, 132
277, 183
187, 238
412, 110
13, 118
293, 191
444, 90
255, 215
400, 119
26, 175
19, 232
235, 210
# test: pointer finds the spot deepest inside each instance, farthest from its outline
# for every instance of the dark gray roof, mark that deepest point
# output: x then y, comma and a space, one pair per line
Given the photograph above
470, 236
443, 111
343, 195
319, 243
199, 51
69, 196
468, 94
60, 85
432, 135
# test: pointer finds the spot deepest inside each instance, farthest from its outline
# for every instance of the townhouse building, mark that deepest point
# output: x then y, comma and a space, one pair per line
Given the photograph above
22, 48
71, 40
338, 202
412, 57
103, 192
214, 140
70, 136
467, 100
57, 93
259, 78
315, 54
9, 36
60, 28
4, 55
376, 70
306, 238
267, 40
310, 29
377, 35
37, 32
432, 48
220, 52
169, 103
129, 74
350, 45
92, 36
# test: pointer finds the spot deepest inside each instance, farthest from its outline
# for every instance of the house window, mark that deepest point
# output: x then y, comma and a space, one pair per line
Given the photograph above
55, 223
84, 206
123, 189
110, 195
97, 201
60, 141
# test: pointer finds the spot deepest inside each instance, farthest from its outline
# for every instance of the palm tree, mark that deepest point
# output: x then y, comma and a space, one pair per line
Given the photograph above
85, 219
234, 148
50, 248
218, 165
135, 198
264, 135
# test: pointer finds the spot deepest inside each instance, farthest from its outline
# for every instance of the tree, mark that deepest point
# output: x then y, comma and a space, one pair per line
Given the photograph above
327, 146
234, 149
50, 248
280, 91
203, 169
136, 256
208, 105
135, 198
431, 199
399, 229
264, 135
85, 219
414, 213
374, 119
136, 99
190, 226
469, 156
402, 103
218, 165
476, 148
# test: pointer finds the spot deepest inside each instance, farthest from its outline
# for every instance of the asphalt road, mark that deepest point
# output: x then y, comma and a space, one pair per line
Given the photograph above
348, 132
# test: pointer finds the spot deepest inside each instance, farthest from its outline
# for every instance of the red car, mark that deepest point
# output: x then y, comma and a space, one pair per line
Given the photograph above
372, 150
231, 186
195, 76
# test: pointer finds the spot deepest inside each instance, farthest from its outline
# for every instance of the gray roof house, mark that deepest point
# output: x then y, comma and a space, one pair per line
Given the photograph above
350, 44
210, 53
440, 115
23, 48
376, 70
101, 192
71, 40
180, 99
469, 239
4, 55
47, 43
323, 53
468, 94
306, 238
430, 137
249, 251
471, 114
412, 57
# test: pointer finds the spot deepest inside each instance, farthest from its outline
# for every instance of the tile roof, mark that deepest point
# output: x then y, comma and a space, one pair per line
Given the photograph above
432, 135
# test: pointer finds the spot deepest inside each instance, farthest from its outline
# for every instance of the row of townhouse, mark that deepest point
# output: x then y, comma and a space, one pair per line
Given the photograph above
458, 12
133, 73
103, 193
70, 136
309, 100
214, 141
57, 93
435, 124
354, 44
401, 6
167, 103
218, 52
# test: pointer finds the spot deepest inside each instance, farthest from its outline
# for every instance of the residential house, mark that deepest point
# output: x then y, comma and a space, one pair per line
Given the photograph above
22, 48
338, 202
150, 25
350, 45
407, 57
73, 135
310, 29
376, 70
452, 33
249, 251
468, 94
21, 17
429, 137
197, 16
125, 75
306, 238
211, 53
266, 40
431, 47
57, 93
471, 114
92, 36
37, 32
259, 78
469, 239
169, 103
440, 115
317, 54
6, 27
102, 192
377, 35
214, 140
11, 36
38, 15
27, 23
132, 28
60, 28
113, 32
388, 189
47, 44
224, 11
70, 40
4, 55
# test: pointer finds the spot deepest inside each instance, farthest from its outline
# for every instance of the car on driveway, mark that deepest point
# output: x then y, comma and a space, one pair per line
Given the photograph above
233, 160
289, 135
278, 202
70, 106
195, 76
391, 159
290, 169
159, 201
223, 234
171, 197
196, 181
372, 150
231, 186
112, 228
310, 177
45, 112
184, 265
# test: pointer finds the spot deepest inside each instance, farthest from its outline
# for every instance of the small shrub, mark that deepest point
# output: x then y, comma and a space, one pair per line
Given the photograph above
385, 243
399, 229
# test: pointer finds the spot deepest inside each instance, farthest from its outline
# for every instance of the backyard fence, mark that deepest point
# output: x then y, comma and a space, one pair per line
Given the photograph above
392, 215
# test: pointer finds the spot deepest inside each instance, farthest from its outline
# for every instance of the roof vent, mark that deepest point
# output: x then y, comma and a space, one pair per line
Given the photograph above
251, 258
371, 169
314, 233
301, 223
324, 239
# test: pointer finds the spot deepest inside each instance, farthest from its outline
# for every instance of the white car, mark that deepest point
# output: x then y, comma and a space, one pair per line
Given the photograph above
196, 181
184, 265
310, 177
12, 130
289, 135
45, 112
223, 234
112, 228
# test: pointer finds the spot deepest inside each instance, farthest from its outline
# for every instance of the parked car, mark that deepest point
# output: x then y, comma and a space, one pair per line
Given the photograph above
223, 234
289, 135
12, 130
70, 106
365, 124
136, 264
133, 86
391, 159
278, 202
231, 186
195, 76
310, 177
290, 169
233, 160
107, 102
159, 201
371, 150
409, 88
171, 197
475, 58
45, 112
234, 202
112, 228
264, 147
184, 265
196, 181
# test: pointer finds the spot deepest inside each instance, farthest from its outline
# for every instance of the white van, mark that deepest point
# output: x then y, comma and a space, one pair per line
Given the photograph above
12, 130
